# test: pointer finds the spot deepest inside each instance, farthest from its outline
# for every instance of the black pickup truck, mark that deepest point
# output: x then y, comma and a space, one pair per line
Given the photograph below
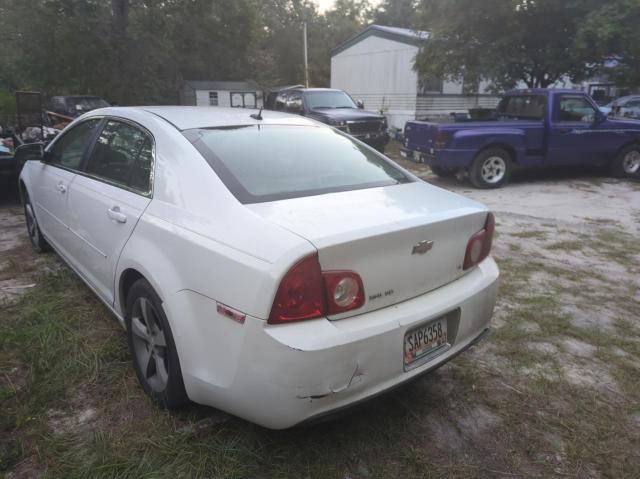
335, 108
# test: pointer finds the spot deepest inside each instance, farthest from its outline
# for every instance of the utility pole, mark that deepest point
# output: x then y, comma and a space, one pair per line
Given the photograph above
306, 60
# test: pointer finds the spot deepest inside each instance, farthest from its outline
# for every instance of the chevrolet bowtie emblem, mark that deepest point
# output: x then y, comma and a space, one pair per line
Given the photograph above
422, 247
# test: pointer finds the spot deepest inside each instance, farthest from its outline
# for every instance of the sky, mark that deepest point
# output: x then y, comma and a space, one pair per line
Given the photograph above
327, 4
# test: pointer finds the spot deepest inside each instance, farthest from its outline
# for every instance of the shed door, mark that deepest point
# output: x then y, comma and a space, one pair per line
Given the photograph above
243, 99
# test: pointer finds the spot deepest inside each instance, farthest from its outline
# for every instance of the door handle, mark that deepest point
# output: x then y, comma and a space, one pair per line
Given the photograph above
61, 188
116, 215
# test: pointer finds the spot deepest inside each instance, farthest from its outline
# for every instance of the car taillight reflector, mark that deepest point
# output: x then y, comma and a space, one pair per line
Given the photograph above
306, 292
479, 245
344, 291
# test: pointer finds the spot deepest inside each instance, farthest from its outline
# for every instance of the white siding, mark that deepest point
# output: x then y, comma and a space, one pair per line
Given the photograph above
380, 72
224, 98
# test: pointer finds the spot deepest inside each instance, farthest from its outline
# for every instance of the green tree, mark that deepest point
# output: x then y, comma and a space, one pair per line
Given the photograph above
612, 32
396, 13
504, 41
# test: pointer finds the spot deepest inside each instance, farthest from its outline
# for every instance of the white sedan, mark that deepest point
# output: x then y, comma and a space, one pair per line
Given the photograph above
267, 265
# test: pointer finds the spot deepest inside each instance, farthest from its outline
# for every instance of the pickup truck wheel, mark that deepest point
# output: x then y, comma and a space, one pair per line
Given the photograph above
627, 163
443, 172
490, 169
155, 357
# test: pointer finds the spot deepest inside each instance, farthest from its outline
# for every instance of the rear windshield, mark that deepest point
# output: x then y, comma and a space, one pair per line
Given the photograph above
523, 107
273, 162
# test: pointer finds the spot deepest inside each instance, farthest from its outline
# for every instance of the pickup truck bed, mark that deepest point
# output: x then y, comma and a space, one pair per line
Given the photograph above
535, 128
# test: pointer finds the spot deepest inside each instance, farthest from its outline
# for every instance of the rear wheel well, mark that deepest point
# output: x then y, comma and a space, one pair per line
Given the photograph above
624, 147
508, 148
128, 277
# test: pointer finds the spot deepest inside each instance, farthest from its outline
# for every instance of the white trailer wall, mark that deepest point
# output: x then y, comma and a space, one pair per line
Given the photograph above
380, 72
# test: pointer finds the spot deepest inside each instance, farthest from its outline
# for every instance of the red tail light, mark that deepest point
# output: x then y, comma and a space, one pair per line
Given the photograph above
479, 245
301, 293
306, 292
441, 139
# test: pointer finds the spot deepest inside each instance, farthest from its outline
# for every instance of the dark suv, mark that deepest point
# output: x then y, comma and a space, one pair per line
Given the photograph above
335, 108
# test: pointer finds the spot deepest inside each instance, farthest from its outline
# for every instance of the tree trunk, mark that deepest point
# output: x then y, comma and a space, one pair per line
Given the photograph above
119, 24
120, 19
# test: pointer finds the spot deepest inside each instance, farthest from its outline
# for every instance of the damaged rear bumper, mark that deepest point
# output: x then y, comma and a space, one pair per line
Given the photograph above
281, 375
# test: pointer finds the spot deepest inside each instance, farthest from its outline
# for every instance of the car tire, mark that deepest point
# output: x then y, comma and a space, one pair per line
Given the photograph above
491, 168
443, 172
153, 350
626, 164
33, 229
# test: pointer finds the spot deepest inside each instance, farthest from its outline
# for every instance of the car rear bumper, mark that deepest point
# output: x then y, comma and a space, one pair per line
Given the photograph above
279, 376
443, 158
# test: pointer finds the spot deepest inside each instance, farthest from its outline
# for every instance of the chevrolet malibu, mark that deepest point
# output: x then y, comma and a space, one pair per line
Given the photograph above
261, 263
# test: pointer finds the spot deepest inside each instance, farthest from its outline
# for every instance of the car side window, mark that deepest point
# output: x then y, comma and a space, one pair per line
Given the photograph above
69, 149
576, 109
123, 154
140, 178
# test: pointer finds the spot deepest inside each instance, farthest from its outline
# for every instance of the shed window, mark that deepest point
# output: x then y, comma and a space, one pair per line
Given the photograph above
213, 98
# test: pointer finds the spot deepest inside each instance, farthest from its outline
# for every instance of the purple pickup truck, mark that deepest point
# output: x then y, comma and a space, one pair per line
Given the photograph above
534, 128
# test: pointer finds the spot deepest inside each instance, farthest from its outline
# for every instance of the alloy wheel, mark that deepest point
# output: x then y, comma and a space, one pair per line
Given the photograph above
32, 226
493, 169
150, 344
631, 162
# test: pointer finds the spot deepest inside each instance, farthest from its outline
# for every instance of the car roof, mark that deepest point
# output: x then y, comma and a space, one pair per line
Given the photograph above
542, 91
190, 117
303, 89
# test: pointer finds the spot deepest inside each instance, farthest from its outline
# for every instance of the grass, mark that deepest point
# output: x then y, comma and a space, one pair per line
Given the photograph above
502, 409
530, 234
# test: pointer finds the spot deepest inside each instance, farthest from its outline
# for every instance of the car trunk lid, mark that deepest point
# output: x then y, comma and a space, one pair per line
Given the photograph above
403, 240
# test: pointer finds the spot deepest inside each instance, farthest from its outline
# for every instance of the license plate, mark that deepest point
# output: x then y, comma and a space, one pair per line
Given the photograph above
425, 340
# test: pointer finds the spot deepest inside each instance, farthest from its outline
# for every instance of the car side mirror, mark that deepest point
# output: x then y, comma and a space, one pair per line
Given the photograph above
360, 104
29, 152
600, 117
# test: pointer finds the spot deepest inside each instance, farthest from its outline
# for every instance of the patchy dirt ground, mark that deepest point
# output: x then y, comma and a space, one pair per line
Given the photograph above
554, 392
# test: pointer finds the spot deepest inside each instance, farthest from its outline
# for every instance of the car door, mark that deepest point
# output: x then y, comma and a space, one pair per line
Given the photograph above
108, 199
52, 182
575, 138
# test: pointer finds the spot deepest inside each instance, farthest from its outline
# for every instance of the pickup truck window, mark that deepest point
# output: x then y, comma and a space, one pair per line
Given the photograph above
523, 107
576, 109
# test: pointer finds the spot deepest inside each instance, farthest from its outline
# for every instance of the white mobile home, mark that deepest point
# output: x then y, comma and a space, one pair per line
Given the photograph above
376, 66
221, 93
